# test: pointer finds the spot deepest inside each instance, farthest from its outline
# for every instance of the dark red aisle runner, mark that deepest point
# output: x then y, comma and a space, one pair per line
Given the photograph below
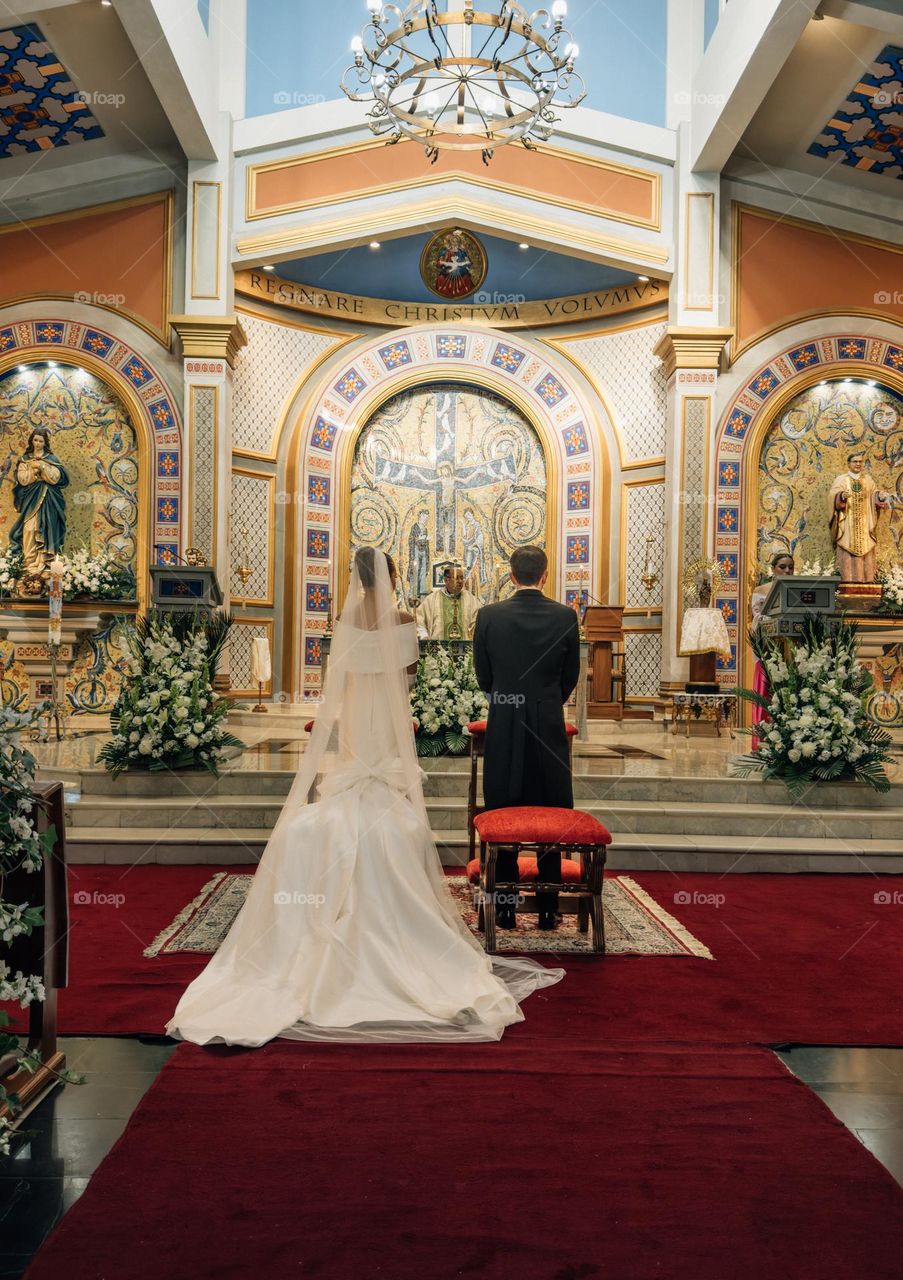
812, 959
495, 1162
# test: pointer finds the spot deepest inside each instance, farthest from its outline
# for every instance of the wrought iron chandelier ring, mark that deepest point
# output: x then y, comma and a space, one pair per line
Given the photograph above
465, 80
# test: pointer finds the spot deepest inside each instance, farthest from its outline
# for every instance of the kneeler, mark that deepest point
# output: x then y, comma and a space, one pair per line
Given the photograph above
477, 731
525, 831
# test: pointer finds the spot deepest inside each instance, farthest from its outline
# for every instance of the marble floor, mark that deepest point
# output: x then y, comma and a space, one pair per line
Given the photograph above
75, 1127
275, 742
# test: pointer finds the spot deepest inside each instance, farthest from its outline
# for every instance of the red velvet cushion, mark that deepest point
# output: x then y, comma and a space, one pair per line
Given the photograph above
528, 869
479, 726
534, 825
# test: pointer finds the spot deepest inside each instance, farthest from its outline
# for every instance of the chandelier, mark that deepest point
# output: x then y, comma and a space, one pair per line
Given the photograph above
468, 80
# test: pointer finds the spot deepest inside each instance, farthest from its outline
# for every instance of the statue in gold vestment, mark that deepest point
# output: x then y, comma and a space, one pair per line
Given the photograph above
856, 503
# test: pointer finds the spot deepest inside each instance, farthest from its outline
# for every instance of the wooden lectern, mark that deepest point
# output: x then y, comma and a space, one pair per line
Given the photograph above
604, 629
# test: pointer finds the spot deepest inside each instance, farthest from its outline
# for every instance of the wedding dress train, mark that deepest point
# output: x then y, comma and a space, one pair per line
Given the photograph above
349, 931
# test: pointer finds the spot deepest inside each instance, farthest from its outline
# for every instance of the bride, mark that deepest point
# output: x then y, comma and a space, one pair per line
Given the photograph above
349, 931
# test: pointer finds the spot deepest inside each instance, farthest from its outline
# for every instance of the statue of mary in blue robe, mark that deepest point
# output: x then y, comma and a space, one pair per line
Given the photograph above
40, 479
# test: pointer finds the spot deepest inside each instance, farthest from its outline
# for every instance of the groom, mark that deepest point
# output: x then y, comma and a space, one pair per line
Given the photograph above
526, 652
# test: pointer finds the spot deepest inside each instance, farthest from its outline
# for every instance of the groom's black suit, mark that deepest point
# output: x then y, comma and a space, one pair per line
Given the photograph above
526, 653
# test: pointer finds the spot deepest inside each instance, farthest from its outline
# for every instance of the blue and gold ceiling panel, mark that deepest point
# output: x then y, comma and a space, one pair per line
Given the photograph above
867, 129
40, 107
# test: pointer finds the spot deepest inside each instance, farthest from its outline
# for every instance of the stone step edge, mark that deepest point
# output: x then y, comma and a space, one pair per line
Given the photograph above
660, 808
625, 840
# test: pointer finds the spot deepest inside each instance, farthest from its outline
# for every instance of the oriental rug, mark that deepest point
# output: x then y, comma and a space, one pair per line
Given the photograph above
635, 924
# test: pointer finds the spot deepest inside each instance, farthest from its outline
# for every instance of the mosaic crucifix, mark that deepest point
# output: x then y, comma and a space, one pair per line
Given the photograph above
446, 479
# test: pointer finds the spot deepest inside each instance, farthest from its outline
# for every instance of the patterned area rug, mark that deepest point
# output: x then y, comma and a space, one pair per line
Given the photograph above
635, 924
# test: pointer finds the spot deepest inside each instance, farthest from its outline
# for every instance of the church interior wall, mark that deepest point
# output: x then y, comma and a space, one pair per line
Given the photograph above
117, 256
786, 268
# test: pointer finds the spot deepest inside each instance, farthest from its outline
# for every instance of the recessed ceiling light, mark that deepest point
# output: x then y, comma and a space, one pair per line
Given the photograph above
872, 382
106, 3
645, 279
23, 368
523, 245
268, 266
374, 244
51, 364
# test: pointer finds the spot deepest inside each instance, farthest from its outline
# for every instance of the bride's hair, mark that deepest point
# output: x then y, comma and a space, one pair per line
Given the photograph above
365, 559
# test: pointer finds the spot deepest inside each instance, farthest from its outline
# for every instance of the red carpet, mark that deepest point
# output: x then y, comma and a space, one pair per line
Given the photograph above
811, 959
534, 1161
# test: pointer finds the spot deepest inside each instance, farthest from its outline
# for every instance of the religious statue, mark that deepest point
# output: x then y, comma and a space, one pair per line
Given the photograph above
449, 612
419, 556
40, 530
855, 505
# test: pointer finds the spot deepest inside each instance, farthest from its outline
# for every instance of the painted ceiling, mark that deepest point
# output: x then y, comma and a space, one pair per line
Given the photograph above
393, 271
40, 107
866, 130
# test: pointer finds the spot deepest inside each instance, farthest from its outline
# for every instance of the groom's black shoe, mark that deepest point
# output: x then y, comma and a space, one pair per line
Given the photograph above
548, 920
505, 918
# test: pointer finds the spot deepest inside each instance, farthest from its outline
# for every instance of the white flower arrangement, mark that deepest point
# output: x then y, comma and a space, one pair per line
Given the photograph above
891, 590
11, 566
168, 715
444, 700
22, 848
817, 728
97, 577
815, 569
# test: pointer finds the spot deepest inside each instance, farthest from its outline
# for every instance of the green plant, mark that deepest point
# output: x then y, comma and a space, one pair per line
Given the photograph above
817, 729
168, 715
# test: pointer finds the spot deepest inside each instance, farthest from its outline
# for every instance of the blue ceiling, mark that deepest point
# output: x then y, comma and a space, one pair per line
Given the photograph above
39, 103
297, 51
393, 271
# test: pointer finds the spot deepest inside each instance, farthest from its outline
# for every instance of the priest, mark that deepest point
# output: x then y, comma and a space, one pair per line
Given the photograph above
449, 612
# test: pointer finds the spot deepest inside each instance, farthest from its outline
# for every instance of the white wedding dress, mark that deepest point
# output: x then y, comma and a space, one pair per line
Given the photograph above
349, 931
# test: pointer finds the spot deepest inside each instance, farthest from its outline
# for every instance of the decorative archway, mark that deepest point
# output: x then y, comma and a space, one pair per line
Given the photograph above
743, 427
146, 396
321, 447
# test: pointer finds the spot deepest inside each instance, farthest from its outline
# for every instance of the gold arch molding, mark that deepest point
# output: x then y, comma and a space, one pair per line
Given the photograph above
270, 288
758, 429
425, 375
138, 413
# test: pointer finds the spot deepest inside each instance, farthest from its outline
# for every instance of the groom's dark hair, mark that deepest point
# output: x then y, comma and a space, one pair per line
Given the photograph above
528, 564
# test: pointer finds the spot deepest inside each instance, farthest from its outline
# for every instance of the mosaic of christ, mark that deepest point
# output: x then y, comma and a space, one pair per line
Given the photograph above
448, 473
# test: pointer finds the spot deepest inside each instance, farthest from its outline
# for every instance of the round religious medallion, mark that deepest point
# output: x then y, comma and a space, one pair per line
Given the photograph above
453, 265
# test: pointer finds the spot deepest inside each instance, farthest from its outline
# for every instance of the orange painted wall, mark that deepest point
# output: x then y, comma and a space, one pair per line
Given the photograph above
785, 267
119, 253
630, 196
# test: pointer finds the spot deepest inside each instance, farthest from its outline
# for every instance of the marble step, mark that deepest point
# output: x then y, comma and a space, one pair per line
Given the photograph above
631, 851
222, 812
451, 779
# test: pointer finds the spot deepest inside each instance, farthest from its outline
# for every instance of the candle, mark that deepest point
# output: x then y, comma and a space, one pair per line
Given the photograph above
55, 601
